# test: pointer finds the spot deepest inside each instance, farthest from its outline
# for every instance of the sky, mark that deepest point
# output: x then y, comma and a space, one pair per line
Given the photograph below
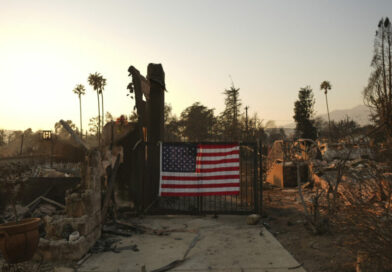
270, 49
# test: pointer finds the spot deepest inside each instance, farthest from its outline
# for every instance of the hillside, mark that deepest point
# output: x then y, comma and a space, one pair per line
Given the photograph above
359, 114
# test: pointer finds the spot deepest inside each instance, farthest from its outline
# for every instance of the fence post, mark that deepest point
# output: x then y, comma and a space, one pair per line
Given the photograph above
255, 179
261, 175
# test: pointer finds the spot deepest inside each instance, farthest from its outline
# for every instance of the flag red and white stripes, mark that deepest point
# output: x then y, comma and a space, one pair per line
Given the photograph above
216, 172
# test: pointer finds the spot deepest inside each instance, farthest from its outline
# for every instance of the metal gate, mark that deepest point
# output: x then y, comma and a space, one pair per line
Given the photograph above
247, 201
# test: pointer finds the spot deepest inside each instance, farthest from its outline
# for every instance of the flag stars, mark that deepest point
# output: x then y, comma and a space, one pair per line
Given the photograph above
179, 158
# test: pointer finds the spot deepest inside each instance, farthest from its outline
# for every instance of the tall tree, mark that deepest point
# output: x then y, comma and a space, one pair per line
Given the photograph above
97, 82
80, 90
378, 93
133, 117
322, 127
28, 132
94, 125
230, 116
326, 86
2, 137
344, 129
103, 84
303, 114
172, 125
256, 129
108, 117
197, 122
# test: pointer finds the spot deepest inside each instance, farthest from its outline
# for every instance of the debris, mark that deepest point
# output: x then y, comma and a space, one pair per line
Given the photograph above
169, 266
109, 244
61, 206
150, 206
46, 267
104, 245
131, 247
36, 201
266, 225
74, 236
67, 231
63, 269
295, 267
144, 229
306, 185
110, 189
261, 232
180, 261
253, 219
81, 261
44, 209
312, 245
133, 227
20, 210
115, 231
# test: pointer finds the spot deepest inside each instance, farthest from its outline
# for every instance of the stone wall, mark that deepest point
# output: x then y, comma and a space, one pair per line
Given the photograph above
82, 218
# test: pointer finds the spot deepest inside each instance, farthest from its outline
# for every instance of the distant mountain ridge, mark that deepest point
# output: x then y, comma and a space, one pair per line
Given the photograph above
360, 114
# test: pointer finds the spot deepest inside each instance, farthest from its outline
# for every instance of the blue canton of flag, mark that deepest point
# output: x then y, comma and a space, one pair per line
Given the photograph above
179, 158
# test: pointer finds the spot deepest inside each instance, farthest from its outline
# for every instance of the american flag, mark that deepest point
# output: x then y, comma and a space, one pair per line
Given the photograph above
199, 169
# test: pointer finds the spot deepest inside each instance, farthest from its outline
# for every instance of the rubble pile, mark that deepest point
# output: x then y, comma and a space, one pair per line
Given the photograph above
25, 186
57, 170
351, 169
13, 176
333, 151
369, 179
70, 210
69, 236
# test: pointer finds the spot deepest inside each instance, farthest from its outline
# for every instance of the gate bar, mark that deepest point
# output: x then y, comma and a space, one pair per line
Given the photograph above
255, 179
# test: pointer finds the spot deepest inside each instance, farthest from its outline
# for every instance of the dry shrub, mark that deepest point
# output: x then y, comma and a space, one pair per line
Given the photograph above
367, 215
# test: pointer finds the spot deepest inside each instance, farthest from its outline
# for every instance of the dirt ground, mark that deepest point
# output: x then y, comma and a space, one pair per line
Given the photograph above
283, 216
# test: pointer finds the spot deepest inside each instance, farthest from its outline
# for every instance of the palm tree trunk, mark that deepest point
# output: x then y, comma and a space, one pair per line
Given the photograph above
329, 119
80, 111
103, 112
99, 121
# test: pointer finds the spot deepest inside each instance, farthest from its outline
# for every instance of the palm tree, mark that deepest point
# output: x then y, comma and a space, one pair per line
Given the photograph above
325, 85
95, 80
80, 90
103, 84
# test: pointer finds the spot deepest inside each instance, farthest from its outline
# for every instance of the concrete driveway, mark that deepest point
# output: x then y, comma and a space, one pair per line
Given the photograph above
226, 243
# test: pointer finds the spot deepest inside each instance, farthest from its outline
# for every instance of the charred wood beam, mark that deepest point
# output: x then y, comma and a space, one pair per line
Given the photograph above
156, 76
136, 88
75, 136
110, 189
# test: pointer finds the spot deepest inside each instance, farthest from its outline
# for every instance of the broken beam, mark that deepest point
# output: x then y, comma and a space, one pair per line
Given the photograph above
74, 136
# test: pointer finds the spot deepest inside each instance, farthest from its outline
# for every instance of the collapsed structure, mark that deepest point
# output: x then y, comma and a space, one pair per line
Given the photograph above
73, 221
86, 206
284, 156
